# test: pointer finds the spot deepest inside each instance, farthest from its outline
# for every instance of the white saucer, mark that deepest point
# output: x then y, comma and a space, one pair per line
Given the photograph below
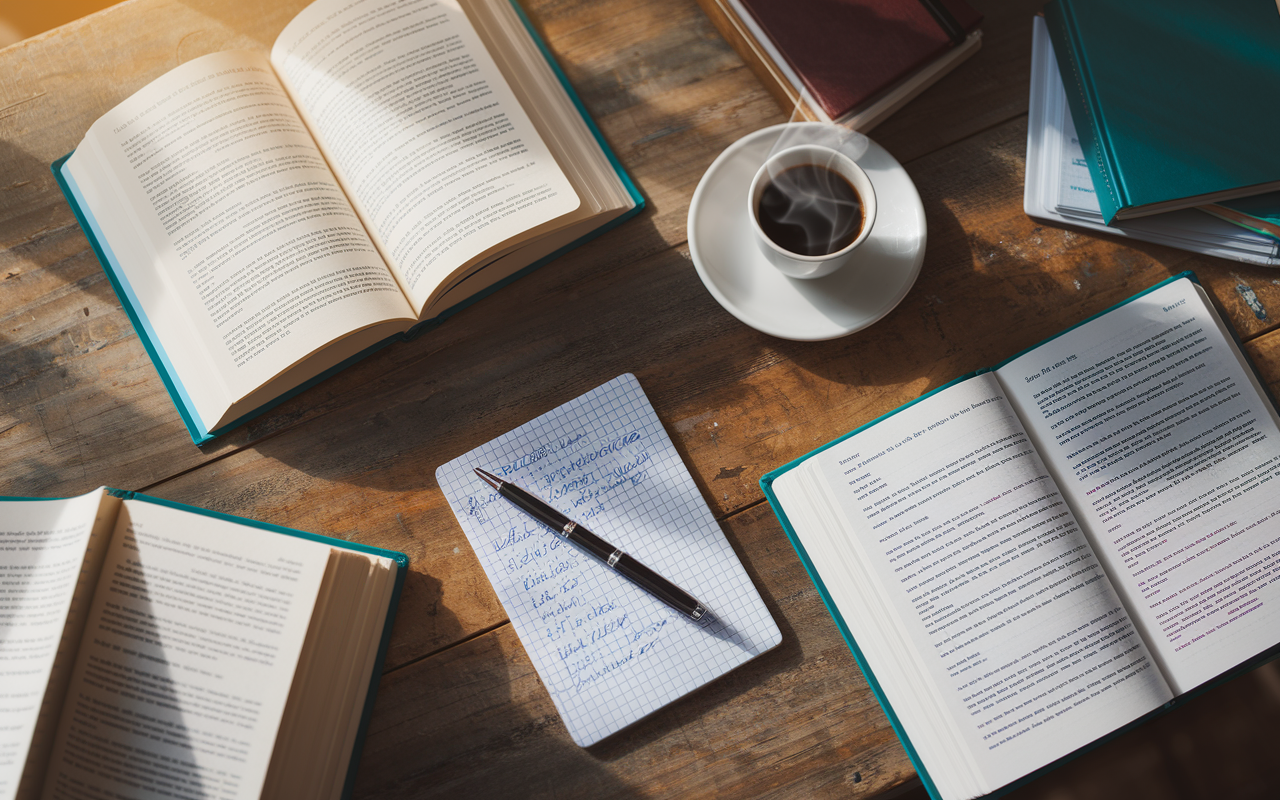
731, 266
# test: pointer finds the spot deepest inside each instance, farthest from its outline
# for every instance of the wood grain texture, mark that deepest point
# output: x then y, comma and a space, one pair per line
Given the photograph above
796, 722
460, 710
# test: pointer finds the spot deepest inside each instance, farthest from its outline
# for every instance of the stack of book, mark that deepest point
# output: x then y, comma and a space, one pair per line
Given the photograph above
852, 62
1141, 122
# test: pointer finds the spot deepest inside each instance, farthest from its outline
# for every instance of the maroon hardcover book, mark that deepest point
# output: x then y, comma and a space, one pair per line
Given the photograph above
849, 51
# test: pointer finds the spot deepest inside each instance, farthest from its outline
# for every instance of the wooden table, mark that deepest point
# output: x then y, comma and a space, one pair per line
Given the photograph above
460, 710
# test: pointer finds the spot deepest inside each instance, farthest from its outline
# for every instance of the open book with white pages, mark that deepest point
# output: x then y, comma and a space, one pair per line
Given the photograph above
1059, 188
152, 650
1032, 557
266, 220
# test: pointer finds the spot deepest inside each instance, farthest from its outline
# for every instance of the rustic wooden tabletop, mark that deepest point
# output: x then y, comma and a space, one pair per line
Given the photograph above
460, 710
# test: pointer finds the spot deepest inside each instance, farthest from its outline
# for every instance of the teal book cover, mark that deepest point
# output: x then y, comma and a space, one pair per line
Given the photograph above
1168, 98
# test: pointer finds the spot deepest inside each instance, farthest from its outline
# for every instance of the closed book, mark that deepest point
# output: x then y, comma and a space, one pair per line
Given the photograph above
854, 62
1166, 99
1259, 213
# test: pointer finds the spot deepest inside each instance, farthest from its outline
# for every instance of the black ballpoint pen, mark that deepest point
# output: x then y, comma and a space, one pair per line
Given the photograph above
620, 562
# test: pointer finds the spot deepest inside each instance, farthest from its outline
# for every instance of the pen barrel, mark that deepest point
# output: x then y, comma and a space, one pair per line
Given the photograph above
637, 573
620, 562
534, 507
658, 586
584, 539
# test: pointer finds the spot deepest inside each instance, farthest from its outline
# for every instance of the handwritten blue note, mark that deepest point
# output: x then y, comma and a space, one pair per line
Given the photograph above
608, 652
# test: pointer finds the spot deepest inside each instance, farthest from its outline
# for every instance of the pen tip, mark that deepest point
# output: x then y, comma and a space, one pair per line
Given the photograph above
492, 480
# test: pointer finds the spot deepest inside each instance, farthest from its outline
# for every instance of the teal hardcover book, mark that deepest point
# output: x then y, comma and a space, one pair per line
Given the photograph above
266, 222
155, 649
1258, 213
1035, 557
1167, 99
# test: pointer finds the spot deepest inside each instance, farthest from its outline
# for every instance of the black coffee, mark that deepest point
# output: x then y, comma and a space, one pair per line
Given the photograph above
810, 210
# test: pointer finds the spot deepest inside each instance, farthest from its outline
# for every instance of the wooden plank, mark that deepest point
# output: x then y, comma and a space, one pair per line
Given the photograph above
799, 721
80, 404
987, 90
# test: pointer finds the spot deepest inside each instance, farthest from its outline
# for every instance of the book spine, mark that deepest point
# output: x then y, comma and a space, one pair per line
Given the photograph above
1088, 117
946, 20
129, 302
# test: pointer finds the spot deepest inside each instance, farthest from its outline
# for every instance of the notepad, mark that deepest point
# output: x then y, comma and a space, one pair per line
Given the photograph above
608, 652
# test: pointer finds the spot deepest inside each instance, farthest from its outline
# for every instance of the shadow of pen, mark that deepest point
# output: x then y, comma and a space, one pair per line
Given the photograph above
715, 625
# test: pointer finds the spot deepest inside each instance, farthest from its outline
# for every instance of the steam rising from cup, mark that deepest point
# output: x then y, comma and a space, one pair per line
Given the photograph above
811, 205
810, 209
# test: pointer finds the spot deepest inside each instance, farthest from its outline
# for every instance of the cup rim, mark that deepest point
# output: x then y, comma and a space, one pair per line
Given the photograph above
868, 216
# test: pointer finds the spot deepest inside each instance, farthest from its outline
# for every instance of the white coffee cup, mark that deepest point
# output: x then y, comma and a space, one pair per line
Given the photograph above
799, 265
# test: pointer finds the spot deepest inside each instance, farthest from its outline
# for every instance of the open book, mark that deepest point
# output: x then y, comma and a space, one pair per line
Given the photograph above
266, 220
149, 649
1031, 557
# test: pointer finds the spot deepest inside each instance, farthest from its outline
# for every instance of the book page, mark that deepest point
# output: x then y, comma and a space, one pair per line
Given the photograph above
49, 549
231, 230
187, 658
965, 579
422, 130
608, 652
1165, 443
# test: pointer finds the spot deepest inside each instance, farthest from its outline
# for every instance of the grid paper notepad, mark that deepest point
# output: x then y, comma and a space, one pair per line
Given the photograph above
607, 651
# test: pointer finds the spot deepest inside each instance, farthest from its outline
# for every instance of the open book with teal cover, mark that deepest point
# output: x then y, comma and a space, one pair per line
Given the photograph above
155, 649
1034, 557
266, 222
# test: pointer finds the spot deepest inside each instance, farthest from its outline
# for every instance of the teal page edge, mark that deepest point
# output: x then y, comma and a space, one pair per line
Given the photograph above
129, 301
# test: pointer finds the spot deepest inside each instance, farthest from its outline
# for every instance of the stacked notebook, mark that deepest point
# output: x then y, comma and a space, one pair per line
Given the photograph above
1060, 186
1166, 99
1147, 120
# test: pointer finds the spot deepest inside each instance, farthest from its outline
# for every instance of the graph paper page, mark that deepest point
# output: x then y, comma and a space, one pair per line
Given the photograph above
608, 652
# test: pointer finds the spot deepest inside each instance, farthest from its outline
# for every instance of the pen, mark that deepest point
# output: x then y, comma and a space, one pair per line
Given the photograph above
576, 534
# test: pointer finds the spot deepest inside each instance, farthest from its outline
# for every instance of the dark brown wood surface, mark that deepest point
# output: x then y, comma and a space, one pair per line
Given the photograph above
460, 710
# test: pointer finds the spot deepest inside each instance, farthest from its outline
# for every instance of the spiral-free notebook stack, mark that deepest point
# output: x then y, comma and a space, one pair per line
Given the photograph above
1167, 99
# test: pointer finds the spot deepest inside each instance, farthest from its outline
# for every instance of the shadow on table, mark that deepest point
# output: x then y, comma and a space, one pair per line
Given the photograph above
975, 303
70, 363
1219, 745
